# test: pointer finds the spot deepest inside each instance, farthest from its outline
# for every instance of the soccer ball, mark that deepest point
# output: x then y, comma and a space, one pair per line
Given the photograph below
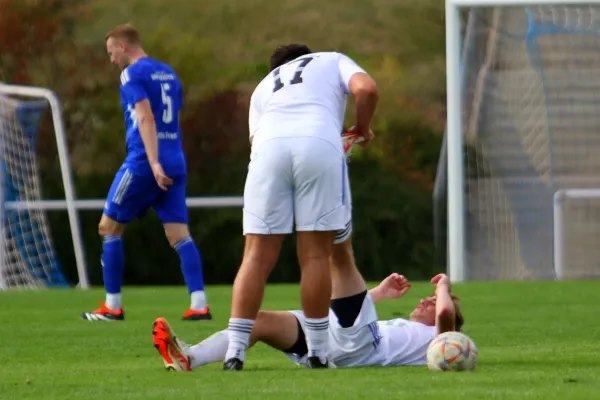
452, 351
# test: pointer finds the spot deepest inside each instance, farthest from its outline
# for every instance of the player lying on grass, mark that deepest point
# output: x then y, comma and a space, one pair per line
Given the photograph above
356, 337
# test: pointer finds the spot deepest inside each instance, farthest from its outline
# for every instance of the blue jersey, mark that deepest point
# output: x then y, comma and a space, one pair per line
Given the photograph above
150, 79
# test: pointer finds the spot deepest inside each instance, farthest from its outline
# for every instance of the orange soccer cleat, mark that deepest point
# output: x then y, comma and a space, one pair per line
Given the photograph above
104, 314
197, 315
171, 349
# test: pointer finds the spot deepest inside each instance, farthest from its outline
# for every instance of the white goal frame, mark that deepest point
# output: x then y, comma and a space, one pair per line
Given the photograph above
457, 261
70, 203
63, 157
560, 197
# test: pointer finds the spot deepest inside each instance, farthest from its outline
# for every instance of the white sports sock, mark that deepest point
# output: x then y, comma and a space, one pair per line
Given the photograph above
239, 338
198, 300
317, 337
210, 350
113, 301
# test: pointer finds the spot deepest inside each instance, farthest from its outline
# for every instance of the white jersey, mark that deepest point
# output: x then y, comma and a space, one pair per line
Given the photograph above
370, 342
305, 97
403, 342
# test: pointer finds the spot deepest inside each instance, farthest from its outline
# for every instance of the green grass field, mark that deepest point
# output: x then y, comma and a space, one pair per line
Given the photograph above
536, 341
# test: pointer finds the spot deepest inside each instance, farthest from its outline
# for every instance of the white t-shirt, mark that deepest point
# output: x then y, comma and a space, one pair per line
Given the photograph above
403, 342
369, 342
305, 97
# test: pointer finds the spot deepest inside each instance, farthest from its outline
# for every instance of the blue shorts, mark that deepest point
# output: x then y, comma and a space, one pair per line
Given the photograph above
132, 195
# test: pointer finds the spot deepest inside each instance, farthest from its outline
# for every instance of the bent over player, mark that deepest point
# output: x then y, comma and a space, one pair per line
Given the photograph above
297, 178
153, 174
356, 337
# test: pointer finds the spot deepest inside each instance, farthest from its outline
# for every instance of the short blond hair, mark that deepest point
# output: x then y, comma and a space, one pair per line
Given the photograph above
125, 33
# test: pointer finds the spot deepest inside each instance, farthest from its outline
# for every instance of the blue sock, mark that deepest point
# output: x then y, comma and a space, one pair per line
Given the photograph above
191, 264
112, 263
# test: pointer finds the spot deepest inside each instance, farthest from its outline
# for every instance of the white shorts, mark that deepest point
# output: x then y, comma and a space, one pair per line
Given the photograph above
343, 234
301, 181
349, 347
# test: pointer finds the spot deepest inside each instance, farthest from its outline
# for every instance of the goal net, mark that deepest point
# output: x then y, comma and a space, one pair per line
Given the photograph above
531, 127
27, 257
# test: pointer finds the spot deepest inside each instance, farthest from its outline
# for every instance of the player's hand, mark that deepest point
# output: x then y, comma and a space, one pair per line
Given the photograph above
162, 180
441, 280
369, 136
393, 287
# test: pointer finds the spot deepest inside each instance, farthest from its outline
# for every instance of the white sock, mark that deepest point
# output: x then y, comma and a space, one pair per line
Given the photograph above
113, 301
198, 300
210, 350
317, 337
239, 338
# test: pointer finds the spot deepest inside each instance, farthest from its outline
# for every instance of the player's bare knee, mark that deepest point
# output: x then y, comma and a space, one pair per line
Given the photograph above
321, 259
109, 226
260, 263
176, 233
316, 256
262, 251
315, 246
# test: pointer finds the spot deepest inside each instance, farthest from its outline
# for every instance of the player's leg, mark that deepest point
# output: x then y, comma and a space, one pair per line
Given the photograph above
346, 280
355, 330
348, 286
260, 255
268, 216
124, 201
278, 329
112, 260
314, 250
319, 199
191, 267
172, 211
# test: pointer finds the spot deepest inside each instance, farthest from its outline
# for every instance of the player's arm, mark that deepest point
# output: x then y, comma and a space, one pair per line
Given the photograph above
147, 127
392, 287
444, 306
364, 89
137, 94
366, 96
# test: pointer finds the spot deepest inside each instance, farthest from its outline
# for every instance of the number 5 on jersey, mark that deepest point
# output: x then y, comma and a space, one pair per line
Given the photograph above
167, 116
297, 76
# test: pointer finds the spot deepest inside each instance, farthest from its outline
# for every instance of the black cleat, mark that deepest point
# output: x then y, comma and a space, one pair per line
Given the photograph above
233, 364
315, 362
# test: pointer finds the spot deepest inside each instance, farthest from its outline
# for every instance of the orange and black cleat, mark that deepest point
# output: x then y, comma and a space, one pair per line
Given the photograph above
197, 315
172, 350
104, 314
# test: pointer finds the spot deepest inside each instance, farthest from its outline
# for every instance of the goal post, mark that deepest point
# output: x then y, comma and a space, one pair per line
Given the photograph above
576, 232
456, 196
20, 177
523, 123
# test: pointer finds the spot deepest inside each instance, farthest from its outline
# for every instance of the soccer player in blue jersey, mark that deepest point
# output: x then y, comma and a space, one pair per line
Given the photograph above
153, 174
